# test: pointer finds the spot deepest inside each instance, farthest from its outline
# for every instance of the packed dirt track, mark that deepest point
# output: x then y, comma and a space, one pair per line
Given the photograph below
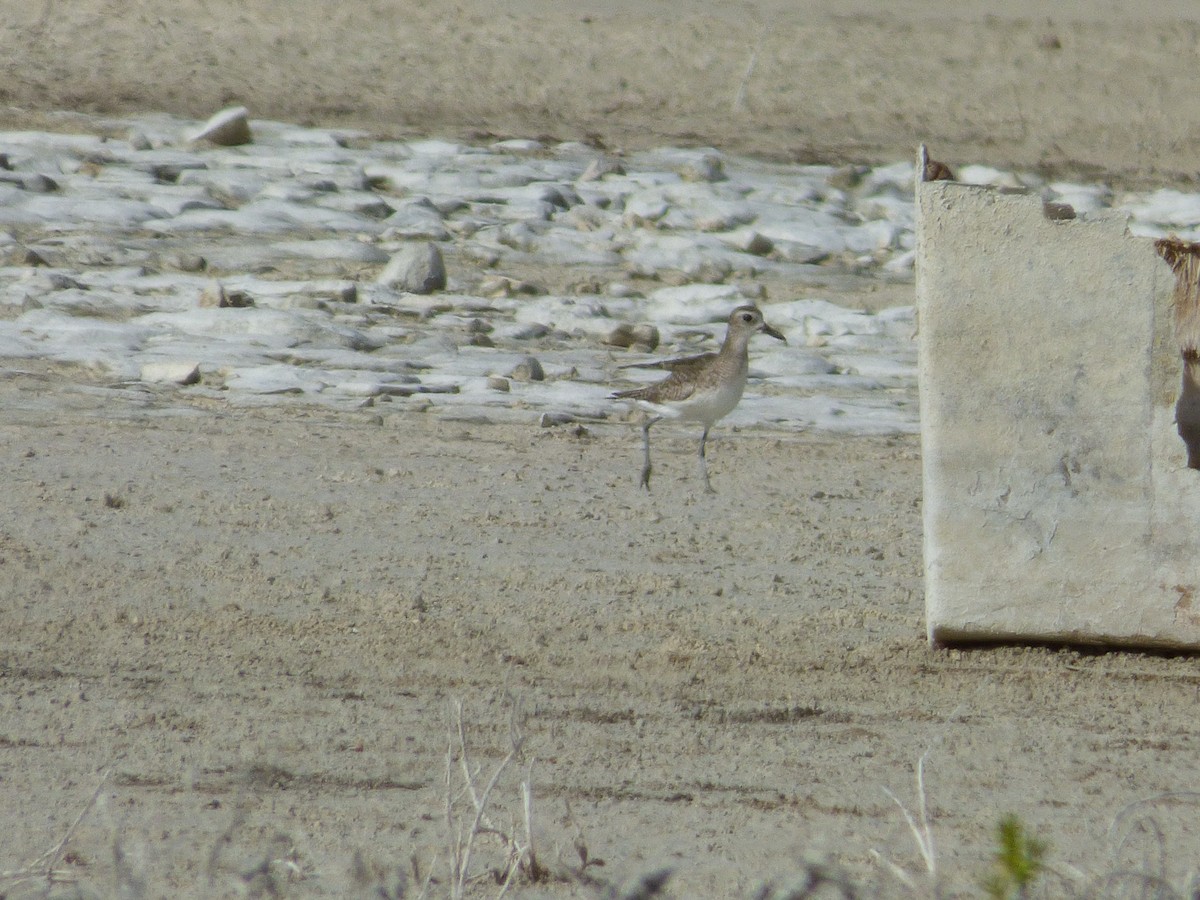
255, 625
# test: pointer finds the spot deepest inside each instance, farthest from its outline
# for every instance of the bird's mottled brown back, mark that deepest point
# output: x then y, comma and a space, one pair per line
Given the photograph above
679, 385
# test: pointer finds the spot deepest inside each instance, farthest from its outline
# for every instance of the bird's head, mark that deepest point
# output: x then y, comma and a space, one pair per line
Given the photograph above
749, 320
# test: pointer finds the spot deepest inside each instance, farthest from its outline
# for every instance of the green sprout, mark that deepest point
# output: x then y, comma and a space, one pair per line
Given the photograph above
1020, 858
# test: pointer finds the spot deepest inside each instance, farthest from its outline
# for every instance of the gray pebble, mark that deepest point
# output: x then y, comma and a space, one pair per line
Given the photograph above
528, 369
643, 337
214, 296
416, 268
707, 168
526, 331
188, 262
751, 242
39, 184
600, 167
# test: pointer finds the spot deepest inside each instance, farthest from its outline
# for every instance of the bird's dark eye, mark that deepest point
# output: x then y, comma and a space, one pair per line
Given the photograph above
747, 317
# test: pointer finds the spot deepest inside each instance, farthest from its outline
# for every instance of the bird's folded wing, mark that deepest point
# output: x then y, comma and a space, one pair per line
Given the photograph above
677, 386
680, 364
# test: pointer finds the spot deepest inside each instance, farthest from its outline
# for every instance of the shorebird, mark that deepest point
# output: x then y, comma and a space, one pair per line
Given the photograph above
701, 388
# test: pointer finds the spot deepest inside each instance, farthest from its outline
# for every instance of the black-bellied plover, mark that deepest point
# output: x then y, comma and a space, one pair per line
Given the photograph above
701, 388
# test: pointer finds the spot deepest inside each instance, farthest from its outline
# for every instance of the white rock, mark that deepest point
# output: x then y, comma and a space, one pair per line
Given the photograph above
645, 207
275, 379
239, 185
416, 268
171, 373
416, 219
749, 241
228, 128
332, 248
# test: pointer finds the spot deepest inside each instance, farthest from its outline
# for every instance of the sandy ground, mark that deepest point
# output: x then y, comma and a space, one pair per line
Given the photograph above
242, 632
1096, 86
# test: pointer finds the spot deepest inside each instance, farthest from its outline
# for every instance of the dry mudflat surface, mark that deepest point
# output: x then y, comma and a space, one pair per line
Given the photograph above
233, 640
1092, 87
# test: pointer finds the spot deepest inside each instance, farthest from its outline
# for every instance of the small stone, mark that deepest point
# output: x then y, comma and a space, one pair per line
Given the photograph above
503, 286
805, 254
936, 171
751, 242
621, 290
519, 145
519, 236
61, 282
39, 184
601, 166
528, 369
31, 257
645, 208
587, 286
216, 297
549, 420
711, 271
417, 219
171, 373
498, 383
847, 177
139, 141
416, 268
228, 128
213, 296
708, 167
640, 336
645, 336
527, 331
189, 262
1058, 212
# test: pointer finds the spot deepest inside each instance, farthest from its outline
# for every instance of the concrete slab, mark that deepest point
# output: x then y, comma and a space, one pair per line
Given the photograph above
1058, 505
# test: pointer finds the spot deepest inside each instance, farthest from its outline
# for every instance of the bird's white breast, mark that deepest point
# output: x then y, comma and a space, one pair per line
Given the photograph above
707, 404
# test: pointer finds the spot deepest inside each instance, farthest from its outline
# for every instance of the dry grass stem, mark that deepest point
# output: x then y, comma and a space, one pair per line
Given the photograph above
464, 837
739, 99
922, 831
45, 866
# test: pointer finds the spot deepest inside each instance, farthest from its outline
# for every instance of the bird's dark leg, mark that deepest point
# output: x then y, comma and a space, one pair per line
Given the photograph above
646, 450
704, 463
